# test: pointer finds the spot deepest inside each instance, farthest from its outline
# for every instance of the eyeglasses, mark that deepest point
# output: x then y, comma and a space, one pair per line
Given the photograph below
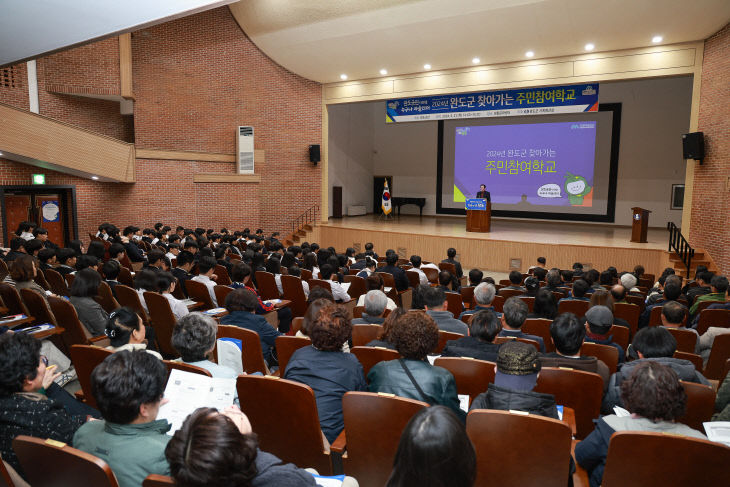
44, 359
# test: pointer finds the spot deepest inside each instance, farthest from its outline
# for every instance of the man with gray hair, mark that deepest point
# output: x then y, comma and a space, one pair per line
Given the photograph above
514, 315
483, 296
629, 281
375, 303
194, 338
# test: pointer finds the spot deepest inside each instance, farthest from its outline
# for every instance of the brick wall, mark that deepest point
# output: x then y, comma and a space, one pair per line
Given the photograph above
195, 80
16, 91
710, 207
89, 69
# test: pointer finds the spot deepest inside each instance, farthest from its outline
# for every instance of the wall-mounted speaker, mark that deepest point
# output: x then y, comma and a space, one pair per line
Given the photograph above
314, 156
693, 146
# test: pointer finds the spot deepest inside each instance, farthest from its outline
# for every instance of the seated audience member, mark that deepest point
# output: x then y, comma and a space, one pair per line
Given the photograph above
134, 253
518, 366
385, 339
219, 449
722, 401
17, 248
415, 336
374, 282
127, 332
96, 249
85, 262
30, 402
416, 263
185, 262
475, 277
368, 268
599, 320
566, 276
703, 279
618, 293
83, 289
273, 266
540, 273
206, 271
47, 258
515, 279
111, 269
629, 281
483, 329
514, 314
578, 291
25, 230
592, 277
241, 275
318, 301
145, 281
173, 249
310, 263
165, 284
78, 247
128, 387
375, 305
567, 333
323, 367
434, 300
602, 297
553, 281
451, 259
577, 269
606, 278
651, 344
241, 306
655, 399
194, 338
117, 252
155, 260
418, 294
446, 280
483, 297
704, 342
545, 306
532, 285
434, 450
718, 288
672, 291
338, 292
22, 271
399, 275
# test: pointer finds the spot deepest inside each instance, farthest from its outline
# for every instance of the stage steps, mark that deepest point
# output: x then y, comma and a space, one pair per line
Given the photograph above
701, 257
299, 235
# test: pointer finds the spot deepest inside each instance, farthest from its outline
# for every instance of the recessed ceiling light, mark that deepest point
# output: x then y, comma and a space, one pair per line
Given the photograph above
475, 60
657, 39
589, 46
426, 66
343, 76
95, 178
383, 72
529, 54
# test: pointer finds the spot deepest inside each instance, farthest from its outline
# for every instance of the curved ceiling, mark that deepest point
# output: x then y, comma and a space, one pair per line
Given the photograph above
324, 39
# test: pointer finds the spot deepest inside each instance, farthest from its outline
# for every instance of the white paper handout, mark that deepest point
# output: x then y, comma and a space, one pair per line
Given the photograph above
229, 353
187, 392
718, 431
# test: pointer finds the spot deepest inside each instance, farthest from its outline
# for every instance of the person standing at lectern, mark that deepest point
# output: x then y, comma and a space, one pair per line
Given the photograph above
483, 193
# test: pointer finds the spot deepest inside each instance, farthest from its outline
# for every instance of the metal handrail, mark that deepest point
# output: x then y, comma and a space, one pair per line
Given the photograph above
679, 244
309, 216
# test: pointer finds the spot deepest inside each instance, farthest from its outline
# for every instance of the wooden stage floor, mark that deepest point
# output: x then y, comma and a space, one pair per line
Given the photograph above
561, 243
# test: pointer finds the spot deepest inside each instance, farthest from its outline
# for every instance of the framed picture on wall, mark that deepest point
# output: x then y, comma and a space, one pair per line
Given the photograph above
677, 202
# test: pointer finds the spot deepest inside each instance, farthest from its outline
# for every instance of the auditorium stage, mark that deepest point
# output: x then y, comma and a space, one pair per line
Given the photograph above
560, 243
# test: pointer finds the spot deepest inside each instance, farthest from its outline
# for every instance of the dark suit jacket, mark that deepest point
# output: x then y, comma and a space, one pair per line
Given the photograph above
182, 276
133, 252
485, 195
399, 275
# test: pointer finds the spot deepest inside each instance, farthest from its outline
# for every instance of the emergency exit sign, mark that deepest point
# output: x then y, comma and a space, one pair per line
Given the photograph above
39, 179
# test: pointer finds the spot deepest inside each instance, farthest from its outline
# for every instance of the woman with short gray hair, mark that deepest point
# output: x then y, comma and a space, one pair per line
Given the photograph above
194, 338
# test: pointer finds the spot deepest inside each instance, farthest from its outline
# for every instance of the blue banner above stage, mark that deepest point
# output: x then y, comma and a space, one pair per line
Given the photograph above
502, 103
476, 204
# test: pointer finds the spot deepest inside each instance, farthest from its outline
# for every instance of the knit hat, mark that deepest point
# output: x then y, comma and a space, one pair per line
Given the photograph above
628, 281
517, 358
599, 316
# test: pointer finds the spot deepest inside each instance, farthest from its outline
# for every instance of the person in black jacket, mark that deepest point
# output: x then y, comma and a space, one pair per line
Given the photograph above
24, 410
133, 251
518, 366
399, 275
451, 259
483, 329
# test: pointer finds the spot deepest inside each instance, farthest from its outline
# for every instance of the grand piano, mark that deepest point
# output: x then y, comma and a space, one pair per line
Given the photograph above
400, 201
